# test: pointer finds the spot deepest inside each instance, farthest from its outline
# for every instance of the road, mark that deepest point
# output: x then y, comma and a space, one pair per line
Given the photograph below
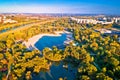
25, 27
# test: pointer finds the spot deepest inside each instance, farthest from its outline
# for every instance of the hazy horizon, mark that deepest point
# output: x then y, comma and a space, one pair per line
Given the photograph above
60, 6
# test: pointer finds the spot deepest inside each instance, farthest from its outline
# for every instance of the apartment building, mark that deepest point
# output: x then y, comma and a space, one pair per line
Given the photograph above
3, 19
92, 21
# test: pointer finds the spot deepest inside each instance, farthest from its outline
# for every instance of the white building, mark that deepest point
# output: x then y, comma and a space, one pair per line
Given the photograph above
105, 22
84, 21
87, 21
116, 20
92, 21
104, 30
3, 19
9, 21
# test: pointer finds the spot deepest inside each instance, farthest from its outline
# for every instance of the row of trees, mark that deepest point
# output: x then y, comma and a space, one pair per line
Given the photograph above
105, 50
10, 26
95, 56
19, 63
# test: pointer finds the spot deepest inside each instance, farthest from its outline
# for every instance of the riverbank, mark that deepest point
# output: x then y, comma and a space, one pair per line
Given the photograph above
30, 44
5, 34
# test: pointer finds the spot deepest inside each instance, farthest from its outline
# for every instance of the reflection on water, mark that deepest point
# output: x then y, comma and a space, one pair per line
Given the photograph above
56, 72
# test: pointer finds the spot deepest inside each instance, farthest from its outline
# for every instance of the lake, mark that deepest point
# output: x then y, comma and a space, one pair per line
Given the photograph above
50, 41
56, 71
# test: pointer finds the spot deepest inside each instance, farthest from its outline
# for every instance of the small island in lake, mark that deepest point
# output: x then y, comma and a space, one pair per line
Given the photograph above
59, 40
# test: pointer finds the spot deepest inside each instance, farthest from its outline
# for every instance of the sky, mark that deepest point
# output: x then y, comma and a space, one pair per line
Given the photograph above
61, 6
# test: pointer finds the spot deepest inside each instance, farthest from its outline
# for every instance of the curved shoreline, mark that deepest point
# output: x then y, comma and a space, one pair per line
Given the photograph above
30, 44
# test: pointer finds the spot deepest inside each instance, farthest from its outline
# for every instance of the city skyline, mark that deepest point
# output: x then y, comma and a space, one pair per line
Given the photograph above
61, 6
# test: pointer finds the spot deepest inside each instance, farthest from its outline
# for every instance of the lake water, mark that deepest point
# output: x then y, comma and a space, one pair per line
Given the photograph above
50, 41
58, 71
